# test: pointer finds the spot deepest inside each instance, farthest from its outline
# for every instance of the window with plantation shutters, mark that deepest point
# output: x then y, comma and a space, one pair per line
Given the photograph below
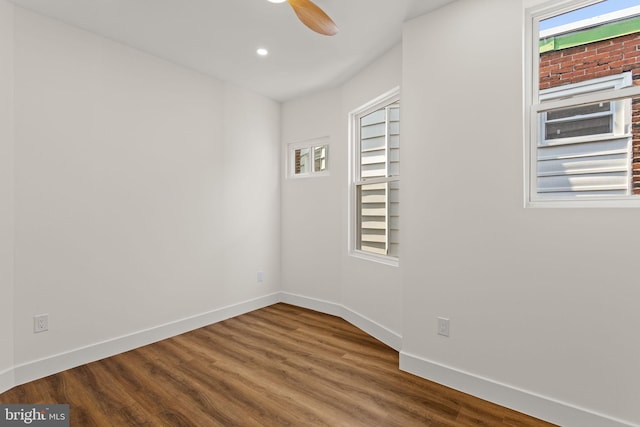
376, 178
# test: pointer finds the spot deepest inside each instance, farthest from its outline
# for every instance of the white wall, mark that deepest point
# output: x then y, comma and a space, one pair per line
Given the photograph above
6, 194
251, 223
311, 222
540, 300
145, 193
315, 256
371, 289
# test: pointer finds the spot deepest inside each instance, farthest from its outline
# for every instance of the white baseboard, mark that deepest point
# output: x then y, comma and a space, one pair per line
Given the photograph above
7, 379
372, 328
323, 306
36, 369
41, 368
376, 330
524, 401
538, 406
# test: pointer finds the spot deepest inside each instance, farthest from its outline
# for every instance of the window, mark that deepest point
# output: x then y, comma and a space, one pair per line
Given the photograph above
308, 158
585, 150
375, 179
584, 105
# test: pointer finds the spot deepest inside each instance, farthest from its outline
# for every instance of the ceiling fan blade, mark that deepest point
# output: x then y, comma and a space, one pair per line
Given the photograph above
314, 17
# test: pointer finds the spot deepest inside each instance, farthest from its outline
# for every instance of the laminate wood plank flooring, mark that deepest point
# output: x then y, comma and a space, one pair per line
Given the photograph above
278, 366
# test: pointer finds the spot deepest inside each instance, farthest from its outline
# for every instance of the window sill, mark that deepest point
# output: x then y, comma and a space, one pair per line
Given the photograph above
308, 175
629, 202
380, 259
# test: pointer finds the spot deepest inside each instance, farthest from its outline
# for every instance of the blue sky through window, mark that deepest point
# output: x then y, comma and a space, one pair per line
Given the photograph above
597, 9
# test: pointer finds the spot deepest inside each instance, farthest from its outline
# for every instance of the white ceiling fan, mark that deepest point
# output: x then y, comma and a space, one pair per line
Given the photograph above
312, 16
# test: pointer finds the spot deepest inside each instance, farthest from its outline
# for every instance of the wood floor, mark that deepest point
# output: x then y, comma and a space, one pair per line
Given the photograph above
278, 366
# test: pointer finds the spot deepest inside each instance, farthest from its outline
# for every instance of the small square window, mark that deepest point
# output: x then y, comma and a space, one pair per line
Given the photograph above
308, 158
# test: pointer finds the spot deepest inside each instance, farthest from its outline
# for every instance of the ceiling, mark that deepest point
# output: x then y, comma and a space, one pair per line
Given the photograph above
220, 37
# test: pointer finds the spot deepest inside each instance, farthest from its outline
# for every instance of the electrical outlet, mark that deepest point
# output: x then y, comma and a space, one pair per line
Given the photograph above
40, 323
260, 277
443, 326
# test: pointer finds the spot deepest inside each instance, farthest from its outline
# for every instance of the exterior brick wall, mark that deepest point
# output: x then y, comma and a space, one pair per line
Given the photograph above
593, 60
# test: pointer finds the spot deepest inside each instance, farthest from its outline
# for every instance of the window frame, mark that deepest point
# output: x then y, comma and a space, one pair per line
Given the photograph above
355, 181
534, 106
617, 110
310, 144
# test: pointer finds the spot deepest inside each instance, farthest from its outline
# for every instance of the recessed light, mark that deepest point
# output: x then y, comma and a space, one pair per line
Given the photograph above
262, 51
277, 1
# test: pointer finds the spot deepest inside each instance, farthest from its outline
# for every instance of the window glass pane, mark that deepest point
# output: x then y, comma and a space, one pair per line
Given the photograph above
379, 218
581, 110
578, 127
394, 219
592, 49
393, 112
372, 215
595, 161
302, 161
320, 158
587, 43
380, 143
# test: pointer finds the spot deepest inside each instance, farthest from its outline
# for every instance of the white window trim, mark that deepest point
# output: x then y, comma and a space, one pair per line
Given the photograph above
387, 98
310, 144
533, 107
